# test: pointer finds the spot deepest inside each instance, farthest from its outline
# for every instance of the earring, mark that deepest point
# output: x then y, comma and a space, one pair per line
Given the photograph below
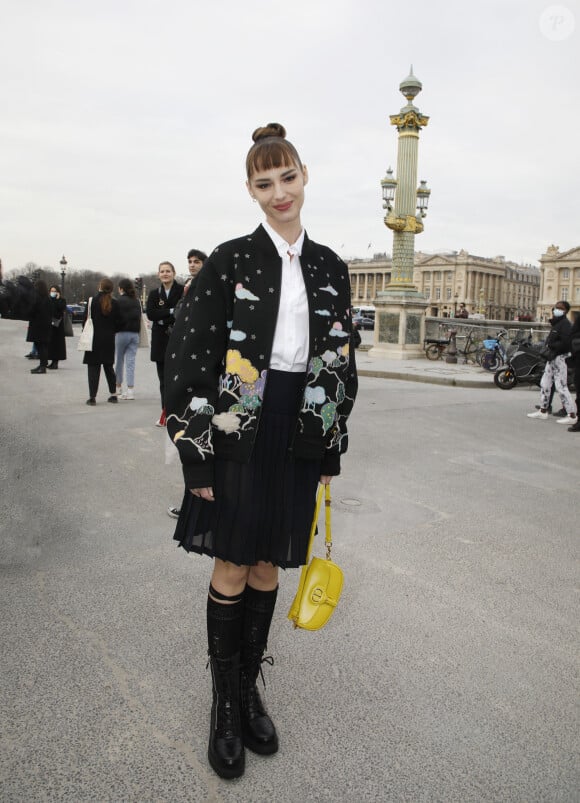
253, 199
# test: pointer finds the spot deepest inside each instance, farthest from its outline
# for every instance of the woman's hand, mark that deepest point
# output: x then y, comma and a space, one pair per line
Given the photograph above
325, 479
203, 493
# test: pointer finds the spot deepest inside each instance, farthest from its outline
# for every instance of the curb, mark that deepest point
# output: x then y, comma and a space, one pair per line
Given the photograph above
428, 380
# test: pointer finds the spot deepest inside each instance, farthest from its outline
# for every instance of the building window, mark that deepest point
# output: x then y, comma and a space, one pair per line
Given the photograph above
577, 294
564, 294
437, 275
438, 293
565, 273
448, 296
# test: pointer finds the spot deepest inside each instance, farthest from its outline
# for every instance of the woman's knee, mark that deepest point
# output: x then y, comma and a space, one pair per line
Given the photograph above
228, 578
263, 576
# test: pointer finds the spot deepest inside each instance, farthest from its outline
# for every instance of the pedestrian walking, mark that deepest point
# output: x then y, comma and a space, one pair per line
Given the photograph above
557, 348
106, 322
161, 304
575, 359
258, 394
57, 344
127, 339
40, 324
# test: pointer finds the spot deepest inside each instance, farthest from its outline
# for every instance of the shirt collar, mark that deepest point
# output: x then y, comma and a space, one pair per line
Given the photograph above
280, 243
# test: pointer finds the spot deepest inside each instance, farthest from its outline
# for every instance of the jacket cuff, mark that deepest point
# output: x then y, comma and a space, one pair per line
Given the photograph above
199, 475
330, 465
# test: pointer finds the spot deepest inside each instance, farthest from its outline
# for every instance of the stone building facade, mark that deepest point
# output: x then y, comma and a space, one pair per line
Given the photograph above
493, 287
560, 279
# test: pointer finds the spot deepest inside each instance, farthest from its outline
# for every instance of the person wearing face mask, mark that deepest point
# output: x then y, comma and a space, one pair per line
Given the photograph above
556, 371
57, 345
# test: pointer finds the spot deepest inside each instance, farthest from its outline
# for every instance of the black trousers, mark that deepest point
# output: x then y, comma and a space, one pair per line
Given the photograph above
161, 375
42, 351
94, 372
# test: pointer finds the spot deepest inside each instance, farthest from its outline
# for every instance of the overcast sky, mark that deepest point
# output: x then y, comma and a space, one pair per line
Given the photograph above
124, 124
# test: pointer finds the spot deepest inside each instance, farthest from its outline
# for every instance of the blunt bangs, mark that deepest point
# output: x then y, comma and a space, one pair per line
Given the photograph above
269, 153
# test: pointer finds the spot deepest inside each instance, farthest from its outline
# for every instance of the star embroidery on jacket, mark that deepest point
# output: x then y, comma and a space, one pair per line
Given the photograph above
223, 277
246, 278
208, 351
252, 337
208, 292
186, 318
270, 289
194, 356
192, 330
252, 307
173, 355
258, 272
176, 377
196, 298
236, 255
203, 368
213, 327
262, 356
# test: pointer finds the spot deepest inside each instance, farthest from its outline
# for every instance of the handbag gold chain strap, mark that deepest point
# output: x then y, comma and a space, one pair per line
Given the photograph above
328, 534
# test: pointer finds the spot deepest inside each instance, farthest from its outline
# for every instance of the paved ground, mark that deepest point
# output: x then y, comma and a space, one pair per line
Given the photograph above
449, 673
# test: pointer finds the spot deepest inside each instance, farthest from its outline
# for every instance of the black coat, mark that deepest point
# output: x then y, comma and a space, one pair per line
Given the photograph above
105, 327
558, 340
40, 320
158, 311
57, 345
130, 309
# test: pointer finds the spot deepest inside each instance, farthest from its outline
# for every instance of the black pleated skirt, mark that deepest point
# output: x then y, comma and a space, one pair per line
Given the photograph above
263, 509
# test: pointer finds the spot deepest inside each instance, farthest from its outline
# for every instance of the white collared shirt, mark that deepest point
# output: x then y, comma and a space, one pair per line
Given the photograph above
291, 338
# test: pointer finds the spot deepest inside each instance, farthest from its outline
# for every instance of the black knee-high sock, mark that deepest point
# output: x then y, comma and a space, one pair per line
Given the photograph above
258, 611
224, 624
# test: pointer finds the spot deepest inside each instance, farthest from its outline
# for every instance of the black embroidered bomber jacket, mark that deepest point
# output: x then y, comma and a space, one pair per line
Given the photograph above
218, 355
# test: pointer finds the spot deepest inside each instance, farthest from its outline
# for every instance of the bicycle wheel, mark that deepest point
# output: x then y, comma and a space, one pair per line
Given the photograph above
505, 378
433, 352
472, 353
490, 361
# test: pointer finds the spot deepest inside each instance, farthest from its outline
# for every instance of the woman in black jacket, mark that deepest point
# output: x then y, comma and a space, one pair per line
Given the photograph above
260, 382
161, 304
40, 324
57, 345
127, 338
106, 322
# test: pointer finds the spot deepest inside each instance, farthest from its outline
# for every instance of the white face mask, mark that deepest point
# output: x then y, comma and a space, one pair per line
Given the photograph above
558, 313
53, 295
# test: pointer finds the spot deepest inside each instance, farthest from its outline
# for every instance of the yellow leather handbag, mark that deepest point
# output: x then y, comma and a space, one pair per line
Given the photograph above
321, 580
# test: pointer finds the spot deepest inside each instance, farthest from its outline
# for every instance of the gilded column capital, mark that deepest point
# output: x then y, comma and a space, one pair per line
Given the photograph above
409, 119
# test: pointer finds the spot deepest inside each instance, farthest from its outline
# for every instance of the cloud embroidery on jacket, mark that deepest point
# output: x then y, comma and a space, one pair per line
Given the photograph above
329, 289
244, 294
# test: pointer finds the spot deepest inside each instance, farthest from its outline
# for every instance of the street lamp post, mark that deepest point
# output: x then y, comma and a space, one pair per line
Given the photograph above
401, 307
63, 264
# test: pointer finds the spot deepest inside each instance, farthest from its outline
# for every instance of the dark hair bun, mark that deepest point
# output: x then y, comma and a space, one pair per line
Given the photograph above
270, 130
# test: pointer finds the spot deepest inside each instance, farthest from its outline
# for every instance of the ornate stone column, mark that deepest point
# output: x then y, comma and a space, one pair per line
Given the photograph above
400, 309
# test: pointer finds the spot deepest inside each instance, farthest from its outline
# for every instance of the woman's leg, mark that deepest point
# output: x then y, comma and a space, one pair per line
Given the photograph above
225, 612
130, 354
111, 378
94, 372
161, 375
120, 349
561, 382
546, 385
259, 603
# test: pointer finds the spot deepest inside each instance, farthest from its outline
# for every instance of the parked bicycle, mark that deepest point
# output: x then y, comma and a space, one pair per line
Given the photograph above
497, 351
466, 345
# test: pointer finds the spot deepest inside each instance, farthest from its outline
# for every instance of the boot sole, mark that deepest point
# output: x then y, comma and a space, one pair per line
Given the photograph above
226, 772
261, 748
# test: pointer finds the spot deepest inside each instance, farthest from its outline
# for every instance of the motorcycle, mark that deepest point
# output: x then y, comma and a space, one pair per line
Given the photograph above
524, 367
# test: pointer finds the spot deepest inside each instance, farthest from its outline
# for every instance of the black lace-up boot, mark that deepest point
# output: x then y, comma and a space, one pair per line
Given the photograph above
226, 748
258, 729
